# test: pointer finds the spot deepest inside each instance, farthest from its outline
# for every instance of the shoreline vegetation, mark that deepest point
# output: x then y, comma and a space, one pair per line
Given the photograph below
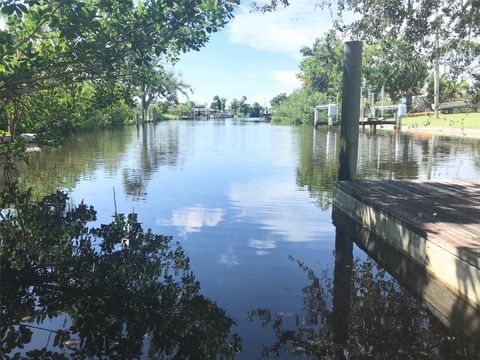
69, 67
460, 124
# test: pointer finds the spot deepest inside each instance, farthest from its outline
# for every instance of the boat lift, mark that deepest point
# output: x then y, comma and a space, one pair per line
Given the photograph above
400, 113
331, 113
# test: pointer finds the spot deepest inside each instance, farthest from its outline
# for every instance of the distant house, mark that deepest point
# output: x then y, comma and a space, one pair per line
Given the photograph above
420, 103
199, 111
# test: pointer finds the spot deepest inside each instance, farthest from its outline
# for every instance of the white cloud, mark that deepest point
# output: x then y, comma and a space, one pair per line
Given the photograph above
287, 80
285, 30
286, 77
197, 98
193, 219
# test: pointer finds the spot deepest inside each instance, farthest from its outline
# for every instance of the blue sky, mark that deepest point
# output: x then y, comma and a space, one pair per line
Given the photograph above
256, 55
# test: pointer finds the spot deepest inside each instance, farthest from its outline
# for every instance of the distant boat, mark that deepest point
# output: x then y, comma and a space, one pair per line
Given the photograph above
222, 115
253, 119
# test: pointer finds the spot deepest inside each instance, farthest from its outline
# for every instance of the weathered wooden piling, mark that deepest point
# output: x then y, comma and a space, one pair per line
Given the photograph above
352, 73
342, 286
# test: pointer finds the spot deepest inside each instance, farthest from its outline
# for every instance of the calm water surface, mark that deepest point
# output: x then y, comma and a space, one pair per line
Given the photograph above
251, 206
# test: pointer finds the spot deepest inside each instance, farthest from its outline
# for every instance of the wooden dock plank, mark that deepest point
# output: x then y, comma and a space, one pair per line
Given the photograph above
435, 223
436, 209
431, 212
425, 215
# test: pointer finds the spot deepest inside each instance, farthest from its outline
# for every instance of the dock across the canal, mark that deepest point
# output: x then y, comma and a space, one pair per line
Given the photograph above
435, 223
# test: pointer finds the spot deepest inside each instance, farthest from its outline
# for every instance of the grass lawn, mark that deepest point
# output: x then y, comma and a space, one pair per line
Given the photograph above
168, 116
465, 121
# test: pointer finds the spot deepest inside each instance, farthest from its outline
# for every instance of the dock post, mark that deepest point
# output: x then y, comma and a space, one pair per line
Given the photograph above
336, 115
398, 123
401, 113
330, 122
342, 285
436, 86
352, 79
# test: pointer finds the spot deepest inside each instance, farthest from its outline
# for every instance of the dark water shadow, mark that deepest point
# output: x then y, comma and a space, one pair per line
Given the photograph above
152, 154
68, 291
364, 313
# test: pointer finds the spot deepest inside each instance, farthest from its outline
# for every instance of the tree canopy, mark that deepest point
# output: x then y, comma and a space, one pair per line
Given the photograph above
396, 68
321, 76
156, 83
241, 108
321, 67
423, 23
216, 103
278, 99
49, 44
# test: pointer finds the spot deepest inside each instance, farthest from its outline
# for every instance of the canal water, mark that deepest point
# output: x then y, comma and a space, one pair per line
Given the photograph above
250, 205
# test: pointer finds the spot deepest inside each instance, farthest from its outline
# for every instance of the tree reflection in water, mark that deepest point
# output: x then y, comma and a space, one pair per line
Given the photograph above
379, 321
125, 292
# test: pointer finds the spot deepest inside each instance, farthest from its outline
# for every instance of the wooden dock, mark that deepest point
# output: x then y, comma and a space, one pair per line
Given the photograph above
436, 224
445, 305
376, 122
372, 123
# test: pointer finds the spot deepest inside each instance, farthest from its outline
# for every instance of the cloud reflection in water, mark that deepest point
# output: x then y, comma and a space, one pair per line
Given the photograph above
193, 219
280, 207
229, 258
262, 246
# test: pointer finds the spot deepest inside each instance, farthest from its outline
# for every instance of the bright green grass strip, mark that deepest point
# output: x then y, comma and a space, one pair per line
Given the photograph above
168, 116
465, 121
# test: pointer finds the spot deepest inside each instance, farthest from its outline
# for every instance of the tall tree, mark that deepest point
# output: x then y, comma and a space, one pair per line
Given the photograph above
256, 110
223, 104
159, 84
395, 67
278, 99
234, 107
243, 107
321, 67
216, 103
